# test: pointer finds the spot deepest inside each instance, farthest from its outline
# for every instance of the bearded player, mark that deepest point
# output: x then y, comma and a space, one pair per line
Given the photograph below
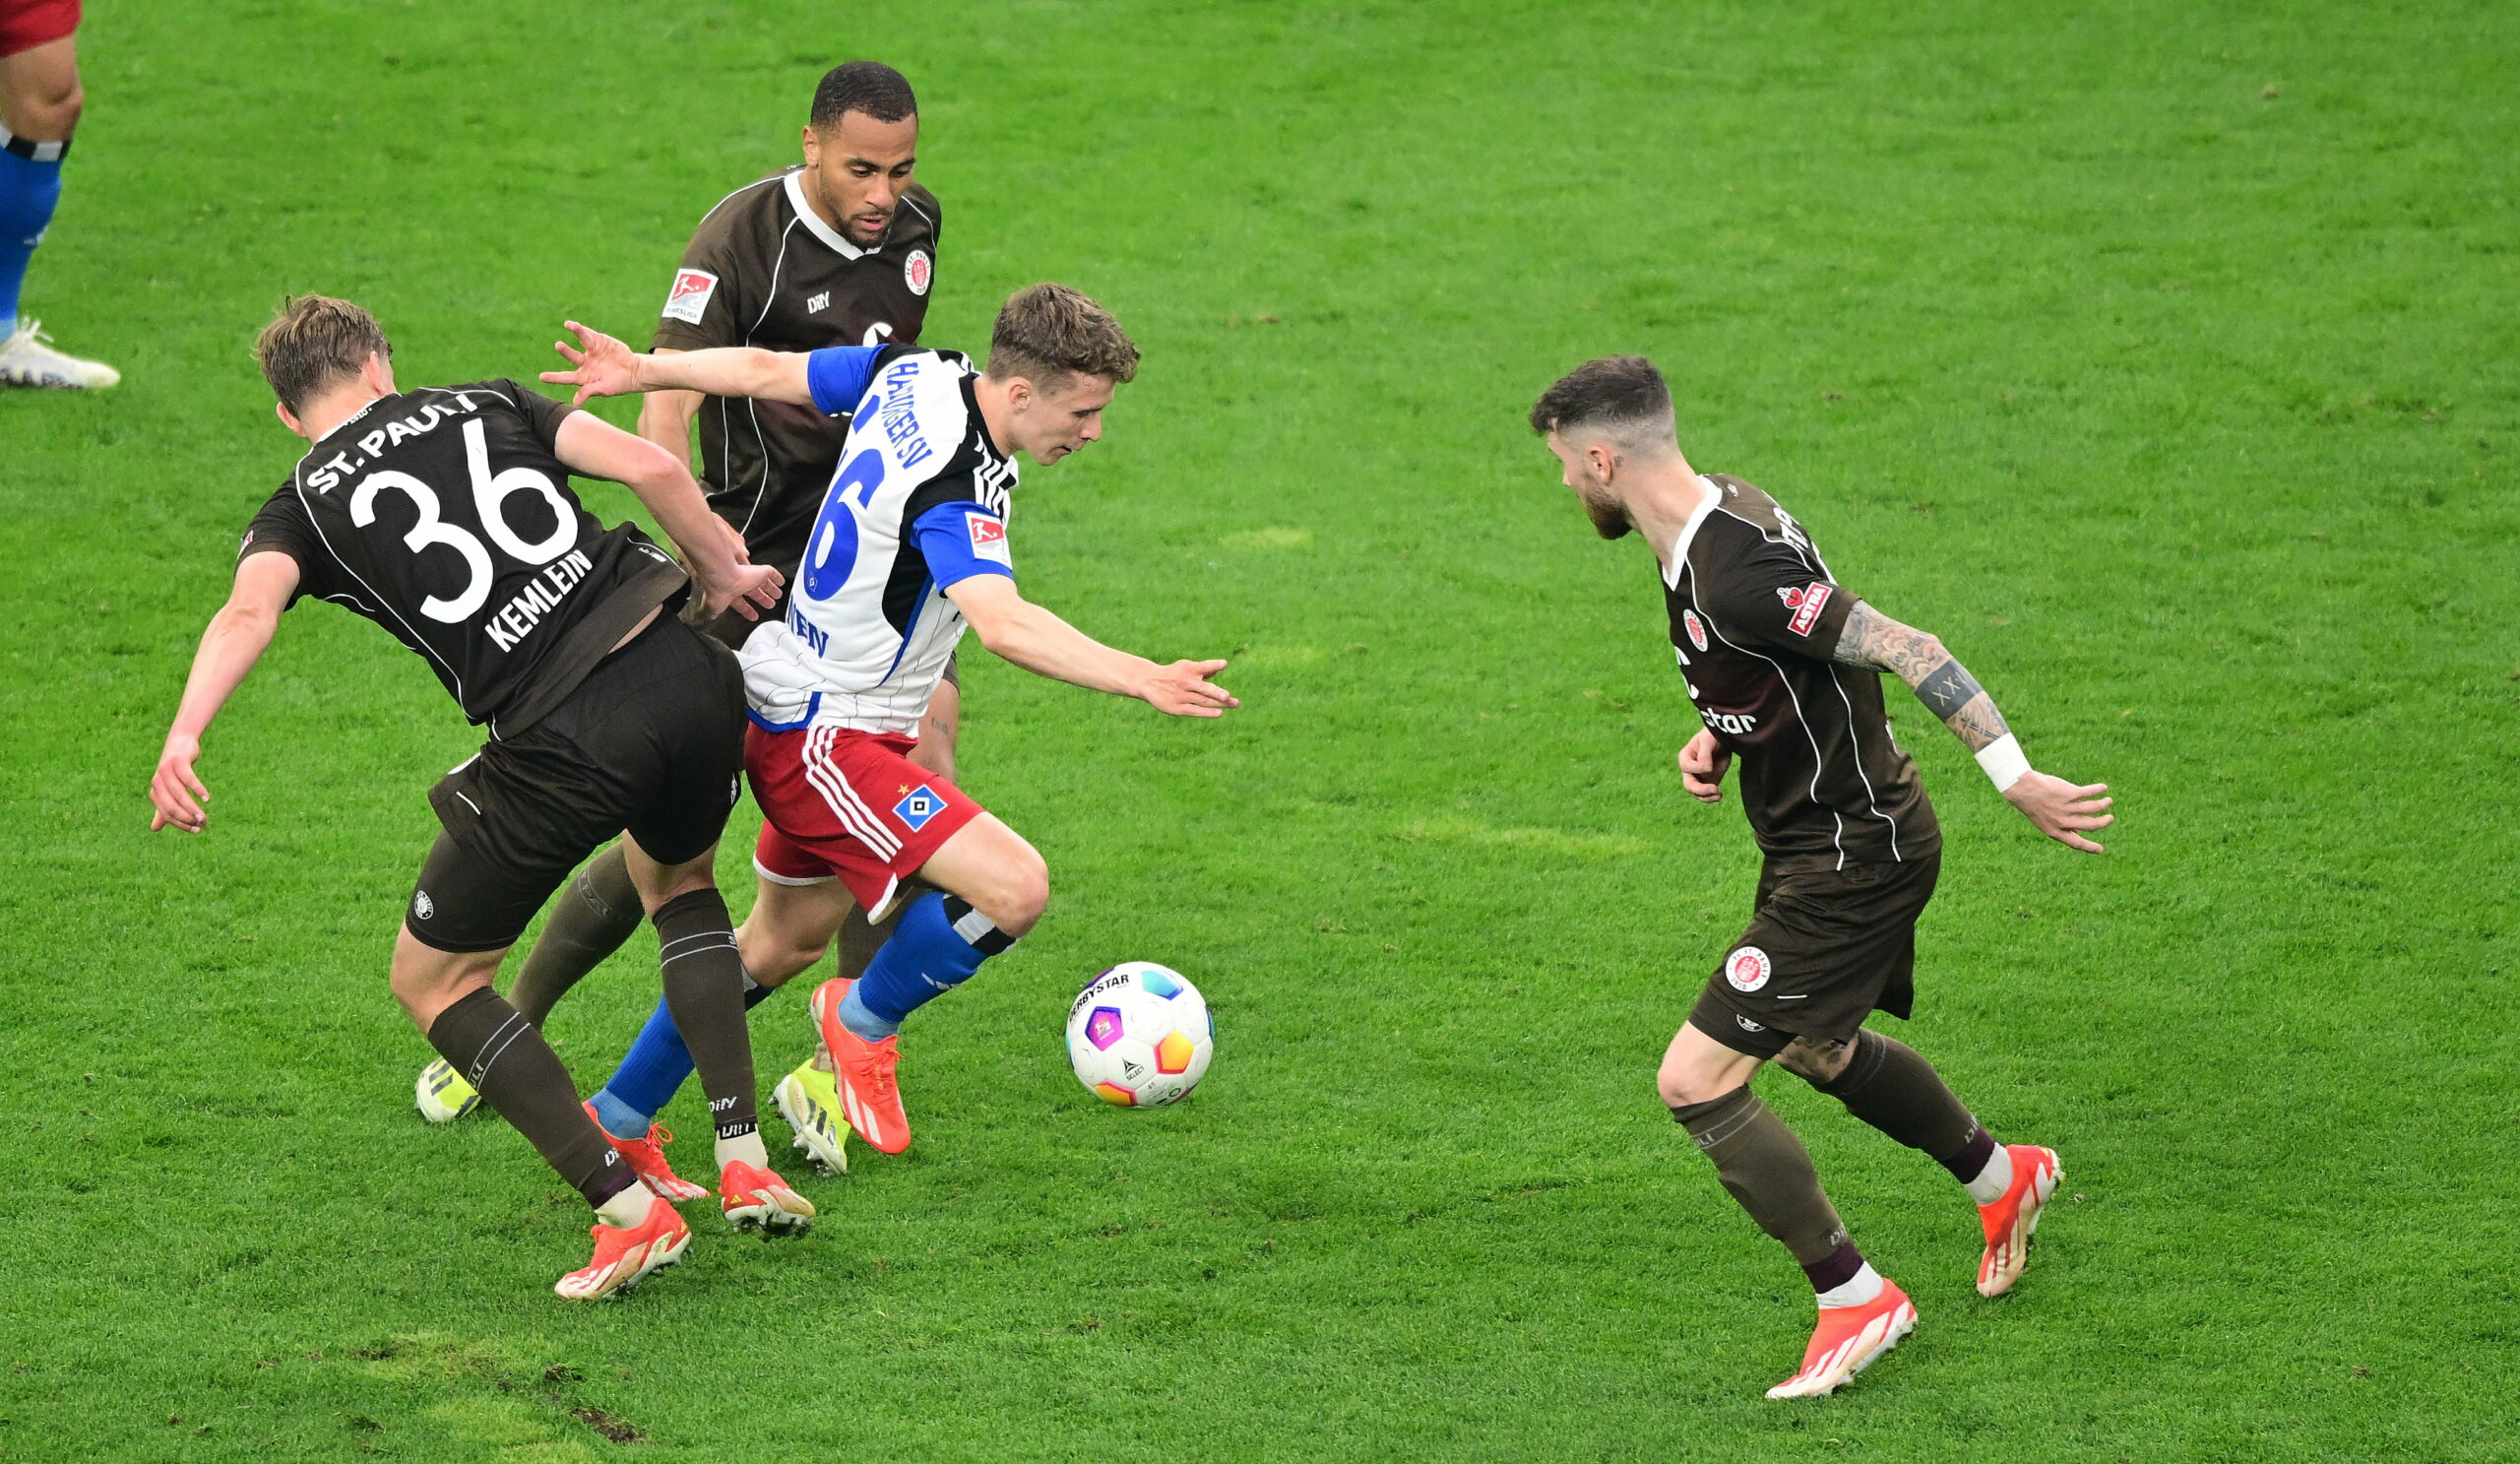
839, 249
908, 548
1783, 665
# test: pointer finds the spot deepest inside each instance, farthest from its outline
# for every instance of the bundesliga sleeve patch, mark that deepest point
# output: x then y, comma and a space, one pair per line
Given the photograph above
989, 538
1805, 604
690, 294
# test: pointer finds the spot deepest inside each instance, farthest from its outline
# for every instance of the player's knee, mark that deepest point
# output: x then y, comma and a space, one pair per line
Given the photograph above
53, 115
1023, 892
772, 961
1682, 1084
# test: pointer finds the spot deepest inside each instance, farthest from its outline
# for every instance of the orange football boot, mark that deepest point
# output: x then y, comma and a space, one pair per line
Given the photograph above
863, 1070
754, 1198
1848, 1340
623, 1256
2036, 1174
647, 1158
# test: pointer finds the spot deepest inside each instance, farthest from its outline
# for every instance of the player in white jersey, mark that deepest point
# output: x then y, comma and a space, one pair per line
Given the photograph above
911, 546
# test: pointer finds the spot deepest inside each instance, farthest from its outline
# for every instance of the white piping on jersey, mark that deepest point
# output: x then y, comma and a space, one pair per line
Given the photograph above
912, 204
1688, 532
813, 222
752, 407
748, 188
1811, 556
1838, 835
843, 800
309, 510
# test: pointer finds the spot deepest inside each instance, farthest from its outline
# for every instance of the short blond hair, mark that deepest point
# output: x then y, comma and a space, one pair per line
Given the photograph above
1048, 333
314, 342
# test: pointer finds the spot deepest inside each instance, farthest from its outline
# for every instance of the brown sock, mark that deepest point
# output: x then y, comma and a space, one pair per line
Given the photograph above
1767, 1170
595, 915
1892, 1087
859, 940
500, 1052
704, 994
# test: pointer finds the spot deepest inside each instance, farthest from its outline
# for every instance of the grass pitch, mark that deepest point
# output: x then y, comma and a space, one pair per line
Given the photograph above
2160, 358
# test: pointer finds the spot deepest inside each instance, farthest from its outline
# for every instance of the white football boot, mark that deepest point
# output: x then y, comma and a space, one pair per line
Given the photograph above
27, 359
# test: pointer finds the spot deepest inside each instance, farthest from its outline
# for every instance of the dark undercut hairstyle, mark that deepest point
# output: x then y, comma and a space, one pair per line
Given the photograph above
314, 342
1619, 397
1048, 333
868, 86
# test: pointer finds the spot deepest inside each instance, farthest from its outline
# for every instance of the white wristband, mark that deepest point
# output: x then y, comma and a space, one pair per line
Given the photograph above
2003, 762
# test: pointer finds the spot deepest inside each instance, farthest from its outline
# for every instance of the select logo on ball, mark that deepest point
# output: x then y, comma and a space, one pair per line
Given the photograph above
1747, 969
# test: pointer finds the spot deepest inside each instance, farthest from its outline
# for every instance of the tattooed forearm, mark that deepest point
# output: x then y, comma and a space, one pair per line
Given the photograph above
1916, 656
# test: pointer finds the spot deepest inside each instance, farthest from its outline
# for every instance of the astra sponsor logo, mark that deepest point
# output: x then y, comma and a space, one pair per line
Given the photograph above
1805, 604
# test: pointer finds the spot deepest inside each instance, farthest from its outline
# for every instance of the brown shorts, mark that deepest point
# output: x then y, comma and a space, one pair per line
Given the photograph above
1825, 950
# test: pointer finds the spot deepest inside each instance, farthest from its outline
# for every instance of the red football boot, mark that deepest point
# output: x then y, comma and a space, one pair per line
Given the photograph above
863, 1072
2036, 1174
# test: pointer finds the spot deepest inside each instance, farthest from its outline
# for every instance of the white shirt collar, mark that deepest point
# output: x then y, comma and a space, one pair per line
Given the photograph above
813, 222
1688, 531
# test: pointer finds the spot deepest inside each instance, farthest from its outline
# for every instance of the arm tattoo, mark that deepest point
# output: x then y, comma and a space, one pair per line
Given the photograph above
1873, 639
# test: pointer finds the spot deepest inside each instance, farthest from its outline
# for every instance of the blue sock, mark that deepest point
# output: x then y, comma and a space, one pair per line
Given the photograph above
937, 945
656, 1065
29, 188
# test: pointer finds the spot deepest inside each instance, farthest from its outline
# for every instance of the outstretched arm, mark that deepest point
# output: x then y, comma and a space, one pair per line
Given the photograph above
602, 366
234, 641
594, 448
1034, 638
2063, 811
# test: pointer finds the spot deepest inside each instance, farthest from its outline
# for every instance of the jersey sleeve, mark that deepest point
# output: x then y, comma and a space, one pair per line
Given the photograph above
959, 539
704, 305
837, 376
282, 528
1775, 599
541, 412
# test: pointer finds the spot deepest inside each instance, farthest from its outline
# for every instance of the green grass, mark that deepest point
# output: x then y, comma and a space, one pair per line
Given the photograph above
2158, 358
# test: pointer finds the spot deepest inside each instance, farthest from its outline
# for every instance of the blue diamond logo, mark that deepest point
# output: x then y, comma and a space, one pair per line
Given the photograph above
917, 809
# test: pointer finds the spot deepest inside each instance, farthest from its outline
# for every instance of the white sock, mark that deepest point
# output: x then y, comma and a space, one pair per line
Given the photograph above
746, 1147
627, 1210
1994, 1179
1864, 1285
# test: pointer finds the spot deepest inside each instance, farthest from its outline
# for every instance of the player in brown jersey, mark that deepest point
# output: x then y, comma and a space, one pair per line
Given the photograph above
444, 515
1782, 664
840, 250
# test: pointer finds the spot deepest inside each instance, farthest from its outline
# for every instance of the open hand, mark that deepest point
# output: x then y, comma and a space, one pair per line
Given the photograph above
175, 791
2063, 811
1184, 689
605, 367
1703, 764
752, 585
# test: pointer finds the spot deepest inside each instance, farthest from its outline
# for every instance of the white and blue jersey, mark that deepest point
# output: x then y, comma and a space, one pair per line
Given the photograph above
917, 504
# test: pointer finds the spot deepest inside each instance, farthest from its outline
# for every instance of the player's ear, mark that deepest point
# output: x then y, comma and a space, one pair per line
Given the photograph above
378, 374
812, 143
1601, 459
287, 418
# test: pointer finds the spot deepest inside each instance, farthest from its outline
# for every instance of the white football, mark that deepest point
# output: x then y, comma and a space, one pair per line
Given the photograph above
1139, 1035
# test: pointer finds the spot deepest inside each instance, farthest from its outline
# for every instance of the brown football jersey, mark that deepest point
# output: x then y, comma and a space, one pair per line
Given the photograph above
1755, 616
764, 270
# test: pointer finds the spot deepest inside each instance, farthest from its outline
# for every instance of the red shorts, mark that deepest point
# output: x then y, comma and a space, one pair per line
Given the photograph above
27, 24
851, 805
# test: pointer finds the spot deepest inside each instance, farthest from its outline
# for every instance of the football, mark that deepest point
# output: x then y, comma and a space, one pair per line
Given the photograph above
1139, 1035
